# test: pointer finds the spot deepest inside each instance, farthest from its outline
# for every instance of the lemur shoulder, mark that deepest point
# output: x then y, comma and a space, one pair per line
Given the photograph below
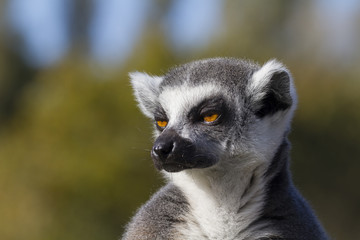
221, 129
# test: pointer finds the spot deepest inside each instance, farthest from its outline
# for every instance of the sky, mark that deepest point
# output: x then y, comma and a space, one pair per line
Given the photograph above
115, 28
40, 23
338, 22
186, 17
117, 25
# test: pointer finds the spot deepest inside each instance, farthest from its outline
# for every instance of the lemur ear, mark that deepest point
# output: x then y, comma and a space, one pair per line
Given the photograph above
146, 91
271, 89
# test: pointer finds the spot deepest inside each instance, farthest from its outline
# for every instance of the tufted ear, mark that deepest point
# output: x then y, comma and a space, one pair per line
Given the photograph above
271, 89
146, 91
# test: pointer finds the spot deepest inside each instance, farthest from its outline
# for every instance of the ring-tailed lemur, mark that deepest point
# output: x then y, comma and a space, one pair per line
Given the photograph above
221, 129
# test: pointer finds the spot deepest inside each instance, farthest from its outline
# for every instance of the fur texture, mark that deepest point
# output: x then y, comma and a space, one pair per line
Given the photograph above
228, 178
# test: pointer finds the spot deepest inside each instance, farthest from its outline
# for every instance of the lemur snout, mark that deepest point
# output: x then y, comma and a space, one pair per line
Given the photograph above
168, 151
174, 153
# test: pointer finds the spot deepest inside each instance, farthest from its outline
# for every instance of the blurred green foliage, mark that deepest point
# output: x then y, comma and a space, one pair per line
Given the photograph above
72, 160
74, 149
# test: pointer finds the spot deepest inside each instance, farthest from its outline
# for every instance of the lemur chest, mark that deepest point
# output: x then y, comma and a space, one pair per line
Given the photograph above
214, 219
214, 224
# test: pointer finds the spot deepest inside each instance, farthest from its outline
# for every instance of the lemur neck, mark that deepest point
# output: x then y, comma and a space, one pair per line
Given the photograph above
225, 201
230, 189
233, 187
222, 203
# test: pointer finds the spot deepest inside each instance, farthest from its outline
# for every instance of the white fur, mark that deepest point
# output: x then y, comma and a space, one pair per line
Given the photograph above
269, 131
261, 78
215, 198
179, 101
146, 90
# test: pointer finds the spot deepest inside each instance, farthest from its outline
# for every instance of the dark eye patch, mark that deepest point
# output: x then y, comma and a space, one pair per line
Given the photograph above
161, 116
210, 106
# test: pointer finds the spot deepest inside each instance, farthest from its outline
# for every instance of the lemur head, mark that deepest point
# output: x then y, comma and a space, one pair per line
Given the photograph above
217, 111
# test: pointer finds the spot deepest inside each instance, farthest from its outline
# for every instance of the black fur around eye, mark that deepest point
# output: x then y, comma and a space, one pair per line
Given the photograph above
160, 118
209, 111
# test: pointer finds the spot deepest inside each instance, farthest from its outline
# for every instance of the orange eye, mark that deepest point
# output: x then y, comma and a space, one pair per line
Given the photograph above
211, 118
162, 124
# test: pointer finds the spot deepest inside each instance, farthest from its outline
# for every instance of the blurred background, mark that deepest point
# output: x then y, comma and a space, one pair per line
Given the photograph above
75, 150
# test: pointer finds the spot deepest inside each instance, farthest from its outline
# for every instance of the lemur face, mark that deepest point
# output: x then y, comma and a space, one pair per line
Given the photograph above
192, 124
207, 111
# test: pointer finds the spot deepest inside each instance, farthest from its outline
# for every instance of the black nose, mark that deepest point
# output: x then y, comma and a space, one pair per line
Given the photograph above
163, 149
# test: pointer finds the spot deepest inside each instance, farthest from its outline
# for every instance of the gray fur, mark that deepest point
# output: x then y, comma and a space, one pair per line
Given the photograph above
285, 209
159, 216
228, 72
230, 177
